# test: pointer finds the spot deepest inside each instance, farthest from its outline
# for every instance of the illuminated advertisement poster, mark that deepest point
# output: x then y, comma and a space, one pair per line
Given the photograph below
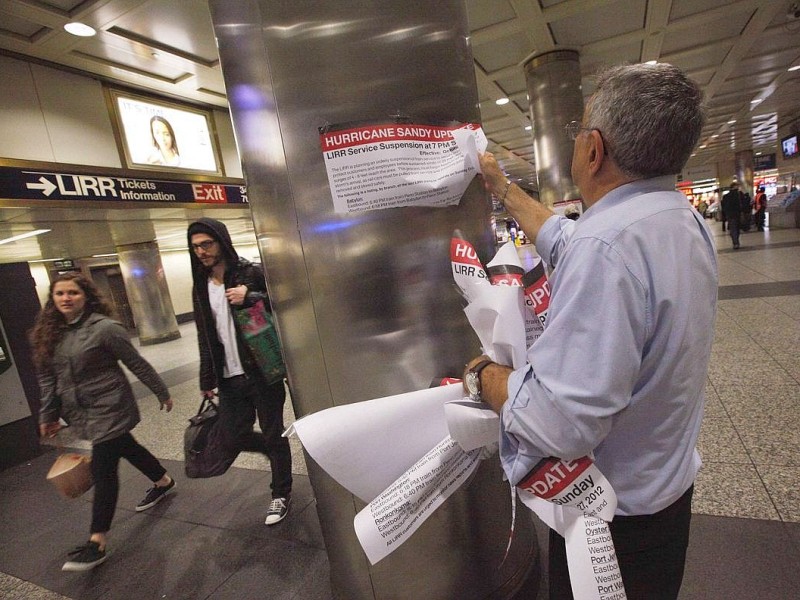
162, 136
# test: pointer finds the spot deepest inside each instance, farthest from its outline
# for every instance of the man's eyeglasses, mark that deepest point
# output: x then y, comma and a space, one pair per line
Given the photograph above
574, 128
204, 246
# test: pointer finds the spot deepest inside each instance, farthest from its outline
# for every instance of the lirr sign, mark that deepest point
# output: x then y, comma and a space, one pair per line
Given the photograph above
30, 184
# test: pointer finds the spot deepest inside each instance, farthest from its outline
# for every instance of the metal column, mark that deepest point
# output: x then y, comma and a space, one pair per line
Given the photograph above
148, 292
365, 303
554, 92
744, 171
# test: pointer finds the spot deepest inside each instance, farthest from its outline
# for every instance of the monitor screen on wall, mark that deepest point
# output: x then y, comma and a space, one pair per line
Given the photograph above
164, 136
789, 146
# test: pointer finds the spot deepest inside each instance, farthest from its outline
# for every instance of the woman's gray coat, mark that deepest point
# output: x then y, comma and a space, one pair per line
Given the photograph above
86, 386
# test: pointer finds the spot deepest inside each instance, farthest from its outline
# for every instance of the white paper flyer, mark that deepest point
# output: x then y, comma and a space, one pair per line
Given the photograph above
389, 165
400, 509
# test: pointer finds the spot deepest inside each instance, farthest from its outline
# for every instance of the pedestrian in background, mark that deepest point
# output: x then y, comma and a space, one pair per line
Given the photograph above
760, 207
732, 212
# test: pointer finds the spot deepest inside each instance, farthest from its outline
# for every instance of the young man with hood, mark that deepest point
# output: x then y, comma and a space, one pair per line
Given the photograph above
223, 283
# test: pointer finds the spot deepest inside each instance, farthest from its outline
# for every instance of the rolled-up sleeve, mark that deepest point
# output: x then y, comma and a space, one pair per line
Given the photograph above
553, 237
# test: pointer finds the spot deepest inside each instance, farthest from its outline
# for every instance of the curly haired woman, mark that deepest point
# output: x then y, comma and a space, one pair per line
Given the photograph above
77, 348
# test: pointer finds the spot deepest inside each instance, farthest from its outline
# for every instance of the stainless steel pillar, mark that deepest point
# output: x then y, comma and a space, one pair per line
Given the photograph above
365, 303
148, 293
554, 92
744, 170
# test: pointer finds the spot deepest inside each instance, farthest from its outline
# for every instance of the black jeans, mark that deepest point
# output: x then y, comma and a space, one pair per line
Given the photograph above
105, 470
241, 399
651, 550
733, 228
760, 218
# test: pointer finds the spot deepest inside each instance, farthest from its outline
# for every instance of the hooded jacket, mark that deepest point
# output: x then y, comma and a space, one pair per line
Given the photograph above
85, 385
238, 271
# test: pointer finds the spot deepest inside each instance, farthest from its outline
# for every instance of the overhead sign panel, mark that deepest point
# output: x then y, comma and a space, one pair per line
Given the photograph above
29, 184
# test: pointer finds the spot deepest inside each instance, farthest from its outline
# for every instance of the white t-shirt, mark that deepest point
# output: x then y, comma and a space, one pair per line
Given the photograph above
220, 307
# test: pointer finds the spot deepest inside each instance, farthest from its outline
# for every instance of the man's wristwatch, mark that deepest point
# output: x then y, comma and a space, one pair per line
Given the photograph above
473, 381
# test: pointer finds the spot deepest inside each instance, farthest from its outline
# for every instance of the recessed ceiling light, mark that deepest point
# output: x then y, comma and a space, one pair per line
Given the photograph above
794, 68
501, 101
756, 101
651, 62
80, 29
528, 128
732, 121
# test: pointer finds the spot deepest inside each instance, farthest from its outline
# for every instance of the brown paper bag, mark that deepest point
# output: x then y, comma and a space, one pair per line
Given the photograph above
71, 474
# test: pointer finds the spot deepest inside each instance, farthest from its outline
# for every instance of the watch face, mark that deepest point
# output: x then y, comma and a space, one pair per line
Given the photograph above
472, 383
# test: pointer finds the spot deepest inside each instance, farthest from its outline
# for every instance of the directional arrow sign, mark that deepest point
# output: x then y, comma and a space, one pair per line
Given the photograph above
46, 186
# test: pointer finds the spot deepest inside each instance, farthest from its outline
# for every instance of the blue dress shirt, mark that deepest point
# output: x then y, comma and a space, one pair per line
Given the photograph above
620, 369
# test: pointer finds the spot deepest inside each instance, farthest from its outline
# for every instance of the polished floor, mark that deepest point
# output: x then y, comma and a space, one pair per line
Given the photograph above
208, 541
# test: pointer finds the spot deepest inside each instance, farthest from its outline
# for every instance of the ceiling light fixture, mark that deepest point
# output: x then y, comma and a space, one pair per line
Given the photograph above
501, 101
794, 68
732, 121
528, 127
651, 62
80, 29
22, 236
44, 260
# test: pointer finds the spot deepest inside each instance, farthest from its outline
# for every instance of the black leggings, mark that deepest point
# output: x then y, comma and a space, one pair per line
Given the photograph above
105, 470
651, 550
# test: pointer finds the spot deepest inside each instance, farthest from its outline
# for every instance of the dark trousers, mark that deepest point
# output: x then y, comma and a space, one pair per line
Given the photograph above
651, 550
241, 399
733, 228
760, 218
105, 470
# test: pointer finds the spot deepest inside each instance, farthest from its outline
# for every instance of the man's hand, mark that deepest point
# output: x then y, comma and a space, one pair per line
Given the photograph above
493, 177
166, 403
528, 212
49, 429
236, 295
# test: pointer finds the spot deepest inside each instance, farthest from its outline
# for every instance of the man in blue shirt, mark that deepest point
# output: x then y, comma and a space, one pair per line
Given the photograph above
620, 369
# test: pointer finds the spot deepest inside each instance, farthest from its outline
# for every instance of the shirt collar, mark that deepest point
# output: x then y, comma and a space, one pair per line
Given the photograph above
664, 183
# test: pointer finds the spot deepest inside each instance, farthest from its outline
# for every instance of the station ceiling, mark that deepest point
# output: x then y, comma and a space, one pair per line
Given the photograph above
740, 52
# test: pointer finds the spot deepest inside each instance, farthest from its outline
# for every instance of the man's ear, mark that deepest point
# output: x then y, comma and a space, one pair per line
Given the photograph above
596, 150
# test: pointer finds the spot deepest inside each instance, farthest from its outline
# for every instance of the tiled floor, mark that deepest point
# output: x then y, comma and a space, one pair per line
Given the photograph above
208, 541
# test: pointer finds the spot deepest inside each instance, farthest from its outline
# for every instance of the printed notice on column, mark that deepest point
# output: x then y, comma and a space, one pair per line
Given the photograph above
389, 165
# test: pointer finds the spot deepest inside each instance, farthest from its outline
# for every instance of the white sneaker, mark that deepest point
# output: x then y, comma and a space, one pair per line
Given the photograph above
278, 509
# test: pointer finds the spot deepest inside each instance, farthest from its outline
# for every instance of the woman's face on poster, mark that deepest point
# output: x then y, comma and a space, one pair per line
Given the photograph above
162, 135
